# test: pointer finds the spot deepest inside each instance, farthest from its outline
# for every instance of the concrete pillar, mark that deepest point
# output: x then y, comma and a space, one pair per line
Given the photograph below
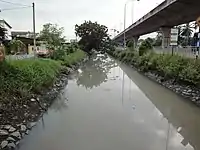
166, 36
135, 41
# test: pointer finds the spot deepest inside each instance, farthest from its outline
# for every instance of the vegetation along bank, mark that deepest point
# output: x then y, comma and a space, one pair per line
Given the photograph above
180, 74
28, 87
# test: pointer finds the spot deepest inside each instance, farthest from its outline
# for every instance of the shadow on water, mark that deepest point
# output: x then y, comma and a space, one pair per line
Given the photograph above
180, 113
95, 71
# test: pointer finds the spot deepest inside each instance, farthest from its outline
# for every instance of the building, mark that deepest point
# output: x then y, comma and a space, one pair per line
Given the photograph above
24, 34
27, 38
5, 31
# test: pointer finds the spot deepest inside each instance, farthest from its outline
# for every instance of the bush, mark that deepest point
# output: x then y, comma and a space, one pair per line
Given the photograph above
60, 52
145, 47
73, 58
184, 70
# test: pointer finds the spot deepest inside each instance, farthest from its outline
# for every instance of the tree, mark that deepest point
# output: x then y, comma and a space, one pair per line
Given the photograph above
93, 35
130, 44
52, 34
145, 46
185, 33
16, 46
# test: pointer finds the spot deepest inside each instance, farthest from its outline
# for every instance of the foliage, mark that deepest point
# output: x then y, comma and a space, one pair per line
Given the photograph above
22, 77
181, 69
16, 46
93, 35
73, 58
52, 34
130, 44
145, 46
61, 51
185, 33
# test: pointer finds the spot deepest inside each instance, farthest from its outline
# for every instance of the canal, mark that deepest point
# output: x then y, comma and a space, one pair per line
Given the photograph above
110, 106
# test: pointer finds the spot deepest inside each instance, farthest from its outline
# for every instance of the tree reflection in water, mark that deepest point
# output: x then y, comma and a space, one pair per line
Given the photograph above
95, 72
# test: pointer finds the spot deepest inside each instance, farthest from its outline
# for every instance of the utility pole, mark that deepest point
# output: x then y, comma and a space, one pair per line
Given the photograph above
34, 36
125, 21
125, 26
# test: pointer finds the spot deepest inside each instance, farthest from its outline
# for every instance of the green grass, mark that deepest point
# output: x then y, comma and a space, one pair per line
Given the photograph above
22, 77
73, 58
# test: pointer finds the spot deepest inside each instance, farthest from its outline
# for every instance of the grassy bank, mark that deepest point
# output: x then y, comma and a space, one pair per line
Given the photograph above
21, 78
181, 69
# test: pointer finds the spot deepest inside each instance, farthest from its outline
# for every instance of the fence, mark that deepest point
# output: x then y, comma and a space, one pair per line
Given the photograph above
188, 51
19, 57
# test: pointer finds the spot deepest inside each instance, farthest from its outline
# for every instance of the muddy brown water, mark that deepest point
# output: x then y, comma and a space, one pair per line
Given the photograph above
110, 106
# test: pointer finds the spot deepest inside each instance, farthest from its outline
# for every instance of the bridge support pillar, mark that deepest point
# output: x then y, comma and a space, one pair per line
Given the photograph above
166, 36
135, 41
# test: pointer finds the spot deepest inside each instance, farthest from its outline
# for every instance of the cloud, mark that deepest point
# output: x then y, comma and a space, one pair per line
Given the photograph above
67, 13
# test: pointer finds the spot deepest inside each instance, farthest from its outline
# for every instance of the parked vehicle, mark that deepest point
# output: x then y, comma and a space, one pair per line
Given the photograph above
42, 51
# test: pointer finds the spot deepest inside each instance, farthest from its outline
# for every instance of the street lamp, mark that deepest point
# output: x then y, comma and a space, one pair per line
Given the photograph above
125, 21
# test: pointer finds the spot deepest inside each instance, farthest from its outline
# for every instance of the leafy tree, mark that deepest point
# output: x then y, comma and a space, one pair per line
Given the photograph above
185, 33
93, 35
16, 46
52, 34
145, 46
130, 44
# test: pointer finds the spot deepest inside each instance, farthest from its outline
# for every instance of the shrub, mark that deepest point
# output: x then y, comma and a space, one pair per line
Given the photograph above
73, 58
145, 46
191, 73
184, 70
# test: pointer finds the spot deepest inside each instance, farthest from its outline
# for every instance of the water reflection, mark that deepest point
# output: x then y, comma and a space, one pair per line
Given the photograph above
95, 72
60, 103
182, 115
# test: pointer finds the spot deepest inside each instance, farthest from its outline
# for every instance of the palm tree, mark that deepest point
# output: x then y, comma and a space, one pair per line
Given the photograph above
185, 33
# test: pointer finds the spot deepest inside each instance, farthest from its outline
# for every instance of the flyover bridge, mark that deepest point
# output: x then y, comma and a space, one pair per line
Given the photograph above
168, 14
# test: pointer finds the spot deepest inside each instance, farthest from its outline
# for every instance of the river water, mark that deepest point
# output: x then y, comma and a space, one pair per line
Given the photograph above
109, 106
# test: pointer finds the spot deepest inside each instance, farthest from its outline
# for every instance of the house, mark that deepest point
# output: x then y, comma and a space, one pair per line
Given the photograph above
27, 38
5, 31
24, 34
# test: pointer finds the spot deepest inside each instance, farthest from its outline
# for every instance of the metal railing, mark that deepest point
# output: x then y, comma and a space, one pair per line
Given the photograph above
188, 51
19, 57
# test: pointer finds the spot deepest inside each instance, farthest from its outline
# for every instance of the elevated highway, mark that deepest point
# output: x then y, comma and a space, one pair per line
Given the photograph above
168, 14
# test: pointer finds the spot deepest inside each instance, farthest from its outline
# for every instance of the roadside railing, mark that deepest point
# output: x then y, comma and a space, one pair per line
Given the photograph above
189, 51
19, 57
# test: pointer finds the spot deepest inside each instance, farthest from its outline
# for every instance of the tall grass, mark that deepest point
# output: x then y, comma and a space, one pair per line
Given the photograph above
20, 77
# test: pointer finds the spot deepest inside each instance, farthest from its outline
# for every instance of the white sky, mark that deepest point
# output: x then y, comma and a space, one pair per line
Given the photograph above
67, 13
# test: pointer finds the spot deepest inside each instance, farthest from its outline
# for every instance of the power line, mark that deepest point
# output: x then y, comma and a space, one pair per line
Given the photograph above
15, 8
19, 4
